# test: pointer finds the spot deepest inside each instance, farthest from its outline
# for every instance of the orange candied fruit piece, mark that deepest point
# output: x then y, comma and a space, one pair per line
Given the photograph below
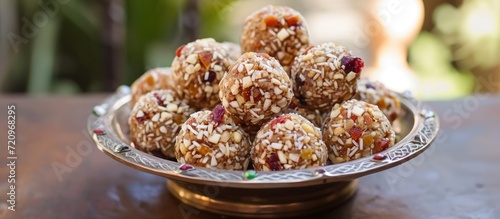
179, 50
150, 80
271, 21
205, 58
367, 140
292, 20
306, 154
204, 150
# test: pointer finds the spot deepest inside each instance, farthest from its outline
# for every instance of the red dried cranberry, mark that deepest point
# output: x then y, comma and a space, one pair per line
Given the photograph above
274, 162
158, 99
354, 117
353, 64
179, 50
383, 144
279, 119
211, 77
218, 114
141, 119
379, 157
356, 132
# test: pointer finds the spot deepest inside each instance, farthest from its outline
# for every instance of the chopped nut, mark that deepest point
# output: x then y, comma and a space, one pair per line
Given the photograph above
248, 67
339, 130
338, 76
156, 117
334, 113
247, 82
237, 137
294, 157
275, 109
214, 138
277, 146
225, 137
267, 103
139, 114
307, 128
289, 125
165, 116
213, 161
282, 157
351, 76
192, 59
282, 34
172, 107
358, 111
182, 148
308, 57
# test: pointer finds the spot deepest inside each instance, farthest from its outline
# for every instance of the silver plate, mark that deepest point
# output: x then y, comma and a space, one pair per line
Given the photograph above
417, 127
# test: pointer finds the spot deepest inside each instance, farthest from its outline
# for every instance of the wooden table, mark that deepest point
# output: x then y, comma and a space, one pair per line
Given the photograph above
458, 177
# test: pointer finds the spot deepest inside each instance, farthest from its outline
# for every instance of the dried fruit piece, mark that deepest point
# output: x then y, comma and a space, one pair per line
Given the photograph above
356, 132
99, 131
274, 162
381, 103
179, 50
271, 21
368, 140
367, 119
141, 119
278, 120
352, 64
379, 157
292, 21
299, 81
247, 92
354, 117
158, 99
150, 80
205, 58
306, 154
204, 150
185, 167
382, 144
211, 77
218, 114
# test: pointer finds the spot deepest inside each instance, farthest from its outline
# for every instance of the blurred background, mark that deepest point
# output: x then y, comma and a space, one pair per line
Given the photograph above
439, 49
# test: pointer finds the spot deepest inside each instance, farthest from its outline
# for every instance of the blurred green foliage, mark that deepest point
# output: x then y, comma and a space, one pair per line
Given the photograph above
460, 55
66, 53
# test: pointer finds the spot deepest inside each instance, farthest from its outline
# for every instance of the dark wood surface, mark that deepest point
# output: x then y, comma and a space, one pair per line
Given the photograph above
458, 177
